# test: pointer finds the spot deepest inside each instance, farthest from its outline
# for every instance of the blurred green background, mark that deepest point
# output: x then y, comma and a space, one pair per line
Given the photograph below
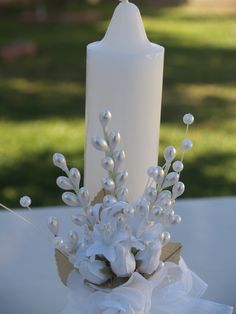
42, 89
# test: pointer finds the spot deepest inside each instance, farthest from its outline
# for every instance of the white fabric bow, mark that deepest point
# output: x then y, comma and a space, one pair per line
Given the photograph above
173, 289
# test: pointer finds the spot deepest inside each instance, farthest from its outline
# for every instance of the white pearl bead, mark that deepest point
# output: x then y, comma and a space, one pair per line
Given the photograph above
70, 199
109, 200
178, 166
99, 143
105, 117
178, 189
170, 153
165, 237
84, 197
25, 201
75, 177
53, 225
157, 173
73, 237
187, 144
121, 178
119, 157
78, 219
108, 163
170, 179
188, 119
156, 212
108, 184
64, 183
114, 139
167, 204
60, 161
164, 195
176, 220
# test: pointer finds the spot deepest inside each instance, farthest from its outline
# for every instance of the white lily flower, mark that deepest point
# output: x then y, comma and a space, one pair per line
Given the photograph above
89, 217
111, 211
94, 213
141, 229
106, 237
149, 258
124, 264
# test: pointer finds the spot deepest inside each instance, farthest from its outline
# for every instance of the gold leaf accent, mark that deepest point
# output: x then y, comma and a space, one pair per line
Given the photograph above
171, 252
114, 282
64, 266
99, 197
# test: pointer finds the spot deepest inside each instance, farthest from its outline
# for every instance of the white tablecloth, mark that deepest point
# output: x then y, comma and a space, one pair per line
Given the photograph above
28, 278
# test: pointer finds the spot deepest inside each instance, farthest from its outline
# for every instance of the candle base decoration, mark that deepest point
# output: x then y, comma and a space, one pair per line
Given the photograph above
121, 256
118, 259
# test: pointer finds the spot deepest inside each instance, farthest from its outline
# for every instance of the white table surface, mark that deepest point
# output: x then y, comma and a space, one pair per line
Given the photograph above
28, 278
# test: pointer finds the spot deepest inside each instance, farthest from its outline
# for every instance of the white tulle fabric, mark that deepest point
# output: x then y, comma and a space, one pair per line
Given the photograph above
173, 289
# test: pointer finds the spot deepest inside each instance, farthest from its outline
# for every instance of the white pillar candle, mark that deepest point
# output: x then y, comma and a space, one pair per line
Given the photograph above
124, 75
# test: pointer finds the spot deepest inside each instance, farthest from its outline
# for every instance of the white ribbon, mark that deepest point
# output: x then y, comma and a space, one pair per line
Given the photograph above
173, 289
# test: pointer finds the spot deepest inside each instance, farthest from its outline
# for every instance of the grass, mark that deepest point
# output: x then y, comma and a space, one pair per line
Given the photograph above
42, 99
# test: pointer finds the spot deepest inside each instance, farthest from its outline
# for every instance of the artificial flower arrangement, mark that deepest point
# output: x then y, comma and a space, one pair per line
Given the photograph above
119, 260
116, 238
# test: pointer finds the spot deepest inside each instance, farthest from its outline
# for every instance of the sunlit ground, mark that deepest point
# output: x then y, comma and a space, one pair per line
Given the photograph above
42, 99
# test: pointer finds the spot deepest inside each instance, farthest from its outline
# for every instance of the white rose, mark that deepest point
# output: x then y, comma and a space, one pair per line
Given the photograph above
134, 297
95, 272
149, 258
124, 264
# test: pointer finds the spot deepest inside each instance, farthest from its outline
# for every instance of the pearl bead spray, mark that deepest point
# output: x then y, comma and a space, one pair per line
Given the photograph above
161, 191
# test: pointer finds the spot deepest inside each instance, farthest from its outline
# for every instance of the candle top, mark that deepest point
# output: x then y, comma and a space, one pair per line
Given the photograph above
126, 31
